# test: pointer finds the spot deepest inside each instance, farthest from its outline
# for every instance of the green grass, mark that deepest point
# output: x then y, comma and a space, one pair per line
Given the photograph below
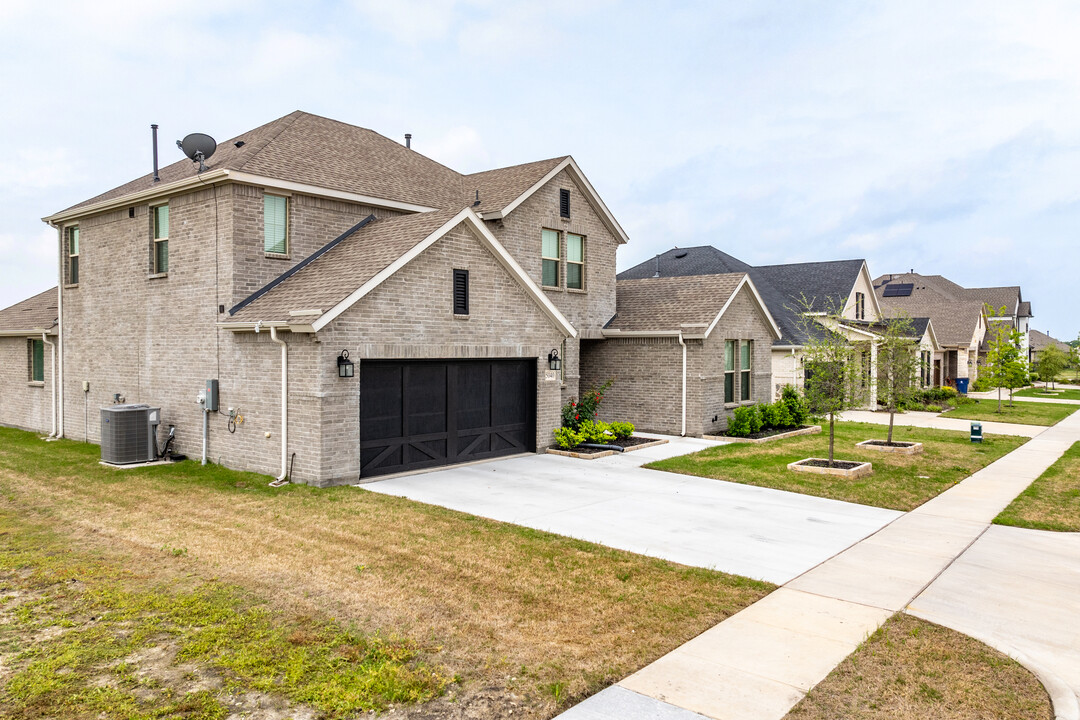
102, 614
1039, 392
899, 482
1052, 502
1025, 413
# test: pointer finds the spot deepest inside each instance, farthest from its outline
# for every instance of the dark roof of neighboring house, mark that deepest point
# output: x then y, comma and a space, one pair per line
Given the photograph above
498, 188
1025, 309
955, 315
35, 313
1040, 340
649, 304
918, 325
782, 287
354, 258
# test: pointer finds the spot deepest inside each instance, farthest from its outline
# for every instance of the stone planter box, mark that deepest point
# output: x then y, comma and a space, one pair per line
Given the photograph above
860, 470
583, 455
812, 430
903, 448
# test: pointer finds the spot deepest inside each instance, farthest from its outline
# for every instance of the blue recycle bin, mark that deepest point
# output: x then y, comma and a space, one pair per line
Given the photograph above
962, 385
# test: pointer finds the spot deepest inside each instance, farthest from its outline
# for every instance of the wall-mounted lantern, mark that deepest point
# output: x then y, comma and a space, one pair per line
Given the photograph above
344, 365
554, 362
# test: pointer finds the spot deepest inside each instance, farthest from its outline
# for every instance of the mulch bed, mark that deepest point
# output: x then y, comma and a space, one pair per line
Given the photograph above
842, 464
627, 443
885, 443
766, 433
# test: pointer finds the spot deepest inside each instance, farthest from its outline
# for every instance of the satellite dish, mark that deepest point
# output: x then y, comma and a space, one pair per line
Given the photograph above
198, 147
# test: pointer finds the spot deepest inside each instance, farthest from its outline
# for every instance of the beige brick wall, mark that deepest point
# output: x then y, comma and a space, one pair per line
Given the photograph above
24, 404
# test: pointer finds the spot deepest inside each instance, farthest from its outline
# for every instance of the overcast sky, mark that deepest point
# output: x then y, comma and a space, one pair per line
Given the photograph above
943, 137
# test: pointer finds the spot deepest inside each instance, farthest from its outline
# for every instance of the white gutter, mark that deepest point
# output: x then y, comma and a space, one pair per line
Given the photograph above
52, 354
683, 433
59, 380
284, 403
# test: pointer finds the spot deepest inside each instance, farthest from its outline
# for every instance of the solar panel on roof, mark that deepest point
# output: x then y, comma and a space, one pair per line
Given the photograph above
898, 290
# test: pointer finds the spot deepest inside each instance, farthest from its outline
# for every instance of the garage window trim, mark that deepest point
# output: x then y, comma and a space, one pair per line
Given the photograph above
729, 371
575, 261
551, 258
746, 352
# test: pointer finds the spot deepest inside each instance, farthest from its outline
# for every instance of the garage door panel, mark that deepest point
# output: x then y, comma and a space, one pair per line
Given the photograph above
381, 386
473, 383
511, 403
425, 399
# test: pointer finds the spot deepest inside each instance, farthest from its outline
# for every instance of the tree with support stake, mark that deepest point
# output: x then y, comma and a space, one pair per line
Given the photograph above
1050, 362
1005, 364
897, 365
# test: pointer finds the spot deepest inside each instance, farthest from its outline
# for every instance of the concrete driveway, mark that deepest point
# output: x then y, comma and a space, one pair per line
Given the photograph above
755, 532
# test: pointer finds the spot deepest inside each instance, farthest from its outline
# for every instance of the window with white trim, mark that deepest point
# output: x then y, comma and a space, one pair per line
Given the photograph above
860, 306
549, 253
746, 353
36, 364
729, 371
276, 224
161, 239
575, 261
73, 254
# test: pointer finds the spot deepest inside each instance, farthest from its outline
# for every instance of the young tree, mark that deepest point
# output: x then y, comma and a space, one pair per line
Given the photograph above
835, 375
1005, 364
1051, 361
897, 365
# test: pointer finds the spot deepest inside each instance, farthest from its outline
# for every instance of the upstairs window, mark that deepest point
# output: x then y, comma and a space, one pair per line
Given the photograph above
860, 306
276, 224
564, 203
461, 292
36, 352
549, 252
729, 371
161, 239
747, 348
575, 261
73, 254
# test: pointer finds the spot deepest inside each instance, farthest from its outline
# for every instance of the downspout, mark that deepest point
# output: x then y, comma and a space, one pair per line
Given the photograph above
59, 379
683, 433
52, 378
282, 478
794, 369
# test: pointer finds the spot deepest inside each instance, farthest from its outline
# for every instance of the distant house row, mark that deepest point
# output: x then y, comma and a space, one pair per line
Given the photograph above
369, 311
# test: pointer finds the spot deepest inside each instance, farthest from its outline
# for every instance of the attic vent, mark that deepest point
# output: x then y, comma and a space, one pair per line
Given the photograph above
461, 292
681, 254
564, 203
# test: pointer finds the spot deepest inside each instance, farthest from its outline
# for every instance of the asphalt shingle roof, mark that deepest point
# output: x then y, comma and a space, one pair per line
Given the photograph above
1041, 340
35, 313
499, 188
672, 302
955, 314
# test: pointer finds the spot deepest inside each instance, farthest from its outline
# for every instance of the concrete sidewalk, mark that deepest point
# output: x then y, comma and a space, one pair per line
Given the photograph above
992, 395
933, 420
760, 662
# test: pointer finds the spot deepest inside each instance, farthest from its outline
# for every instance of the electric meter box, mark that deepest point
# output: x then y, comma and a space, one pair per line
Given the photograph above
211, 396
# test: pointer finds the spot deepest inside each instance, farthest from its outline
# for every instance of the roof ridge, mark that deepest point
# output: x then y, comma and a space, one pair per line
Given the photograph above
558, 158
291, 117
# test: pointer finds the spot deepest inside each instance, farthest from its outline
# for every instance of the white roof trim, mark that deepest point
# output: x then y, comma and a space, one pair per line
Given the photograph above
473, 220
591, 195
747, 282
933, 334
34, 334
224, 175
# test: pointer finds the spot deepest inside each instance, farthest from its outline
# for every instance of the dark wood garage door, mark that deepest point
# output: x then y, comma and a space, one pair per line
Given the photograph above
423, 414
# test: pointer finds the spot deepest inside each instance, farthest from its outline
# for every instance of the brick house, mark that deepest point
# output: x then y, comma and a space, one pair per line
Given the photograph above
307, 237
683, 352
28, 332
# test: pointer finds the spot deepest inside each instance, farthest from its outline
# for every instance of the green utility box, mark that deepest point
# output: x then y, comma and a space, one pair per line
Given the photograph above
976, 432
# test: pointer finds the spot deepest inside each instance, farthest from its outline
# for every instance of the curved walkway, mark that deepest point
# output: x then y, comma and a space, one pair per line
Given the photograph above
760, 662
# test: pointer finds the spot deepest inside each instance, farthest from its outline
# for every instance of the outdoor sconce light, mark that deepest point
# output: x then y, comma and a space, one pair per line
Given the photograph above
553, 360
344, 365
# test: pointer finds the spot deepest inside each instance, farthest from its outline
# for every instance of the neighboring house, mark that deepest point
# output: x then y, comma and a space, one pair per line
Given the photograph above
1040, 341
843, 287
683, 352
27, 363
928, 347
307, 237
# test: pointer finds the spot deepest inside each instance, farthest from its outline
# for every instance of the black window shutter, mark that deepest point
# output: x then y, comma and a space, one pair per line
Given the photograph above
461, 292
564, 203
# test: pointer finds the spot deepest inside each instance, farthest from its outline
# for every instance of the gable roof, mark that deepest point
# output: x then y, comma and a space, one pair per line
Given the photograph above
1040, 341
1025, 309
996, 297
682, 262
30, 316
693, 305
498, 188
321, 287
955, 320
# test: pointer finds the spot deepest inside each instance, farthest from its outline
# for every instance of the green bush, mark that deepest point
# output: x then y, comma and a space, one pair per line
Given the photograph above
568, 438
596, 431
932, 408
622, 430
982, 385
797, 408
585, 408
742, 421
757, 419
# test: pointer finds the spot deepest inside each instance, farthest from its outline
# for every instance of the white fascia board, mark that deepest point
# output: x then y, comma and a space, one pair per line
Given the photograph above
644, 333
468, 216
32, 334
250, 326
592, 196
933, 335
748, 283
787, 347
213, 176
865, 272
859, 331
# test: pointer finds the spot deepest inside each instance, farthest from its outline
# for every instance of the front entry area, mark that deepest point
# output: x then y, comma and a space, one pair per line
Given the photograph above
425, 413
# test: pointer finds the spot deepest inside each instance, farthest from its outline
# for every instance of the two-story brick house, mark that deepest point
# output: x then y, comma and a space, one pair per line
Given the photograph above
307, 237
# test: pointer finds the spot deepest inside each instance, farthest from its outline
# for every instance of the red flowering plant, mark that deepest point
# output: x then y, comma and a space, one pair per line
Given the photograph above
576, 412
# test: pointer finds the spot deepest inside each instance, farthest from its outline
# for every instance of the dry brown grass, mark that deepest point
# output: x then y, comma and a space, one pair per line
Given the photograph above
1052, 502
912, 670
540, 615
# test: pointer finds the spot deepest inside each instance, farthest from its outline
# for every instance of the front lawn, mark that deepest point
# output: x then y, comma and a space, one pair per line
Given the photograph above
899, 482
501, 618
1052, 502
1025, 413
911, 669
1040, 392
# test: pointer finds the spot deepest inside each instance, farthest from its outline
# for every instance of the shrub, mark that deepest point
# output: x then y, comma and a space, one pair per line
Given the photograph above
796, 405
568, 438
757, 420
595, 431
932, 408
781, 416
742, 421
982, 384
578, 411
622, 430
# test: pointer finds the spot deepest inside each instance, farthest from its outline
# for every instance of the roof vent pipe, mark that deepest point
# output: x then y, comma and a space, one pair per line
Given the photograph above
153, 131
408, 141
